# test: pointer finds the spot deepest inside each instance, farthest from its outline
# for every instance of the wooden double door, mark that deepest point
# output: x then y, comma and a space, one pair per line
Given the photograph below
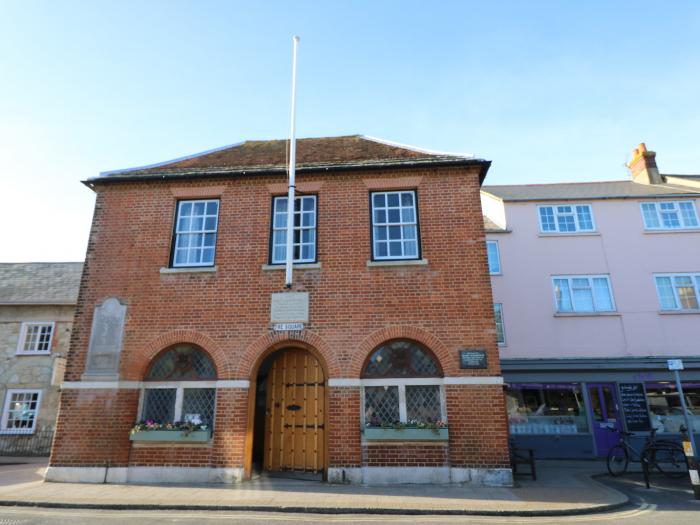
295, 418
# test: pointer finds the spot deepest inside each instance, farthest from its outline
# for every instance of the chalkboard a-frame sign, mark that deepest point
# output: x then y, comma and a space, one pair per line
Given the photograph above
634, 406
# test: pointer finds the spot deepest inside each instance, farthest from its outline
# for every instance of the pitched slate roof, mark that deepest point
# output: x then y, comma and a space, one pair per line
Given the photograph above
619, 189
313, 154
40, 283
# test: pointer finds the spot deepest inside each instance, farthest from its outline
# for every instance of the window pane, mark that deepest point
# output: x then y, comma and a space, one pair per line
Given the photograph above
423, 404
665, 290
409, 232
603, 297
582, 295
395, 249
585, 220
394, 232
198, 405
213, 208
392, 199
281, 205
381, 249
690, 219
410, 248
378, 199
686, 292
309, 204
651, 219
547, 219
394, 216
380, 233
493, 257
407, 215
563, 295
159, 405
500, 328
407, 199
381, 405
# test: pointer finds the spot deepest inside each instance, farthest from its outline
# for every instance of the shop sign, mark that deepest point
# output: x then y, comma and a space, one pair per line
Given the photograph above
634, 406
675, 364
472, 359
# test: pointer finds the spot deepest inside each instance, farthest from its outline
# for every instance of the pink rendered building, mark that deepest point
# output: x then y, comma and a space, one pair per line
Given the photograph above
595, 286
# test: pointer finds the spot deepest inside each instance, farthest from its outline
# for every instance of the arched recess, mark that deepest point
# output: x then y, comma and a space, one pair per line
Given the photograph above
137, 364
375, 339
247, 365
275, 344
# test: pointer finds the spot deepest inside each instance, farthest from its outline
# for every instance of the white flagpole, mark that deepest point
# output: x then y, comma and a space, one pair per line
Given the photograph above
292, 170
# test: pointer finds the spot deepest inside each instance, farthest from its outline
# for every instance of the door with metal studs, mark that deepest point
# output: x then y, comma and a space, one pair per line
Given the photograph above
295, 429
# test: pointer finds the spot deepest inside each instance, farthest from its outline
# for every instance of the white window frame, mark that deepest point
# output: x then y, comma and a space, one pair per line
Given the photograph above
415, 223
503, 323
498, 257
203, 231
677, 210
590, 280
574, 214
6, 411
402, 383
23, 332
694, 278
180, 387
301, 228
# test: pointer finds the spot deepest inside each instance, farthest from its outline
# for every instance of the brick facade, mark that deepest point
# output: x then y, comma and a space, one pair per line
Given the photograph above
444, 304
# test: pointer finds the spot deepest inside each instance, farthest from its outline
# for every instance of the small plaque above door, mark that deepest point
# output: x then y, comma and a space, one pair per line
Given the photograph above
289, 307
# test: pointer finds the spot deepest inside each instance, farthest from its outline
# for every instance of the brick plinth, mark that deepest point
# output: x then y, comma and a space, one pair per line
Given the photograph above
402, 454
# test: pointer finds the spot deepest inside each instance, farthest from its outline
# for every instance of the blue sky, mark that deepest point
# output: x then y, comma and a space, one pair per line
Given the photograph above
549, 91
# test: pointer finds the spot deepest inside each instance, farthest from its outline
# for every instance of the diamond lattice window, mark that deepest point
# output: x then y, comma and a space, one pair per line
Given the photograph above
198, 405
182, 362
159, 404
401, 359
423, 403
381, 405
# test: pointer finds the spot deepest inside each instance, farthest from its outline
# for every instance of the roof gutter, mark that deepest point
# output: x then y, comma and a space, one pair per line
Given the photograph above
484, 166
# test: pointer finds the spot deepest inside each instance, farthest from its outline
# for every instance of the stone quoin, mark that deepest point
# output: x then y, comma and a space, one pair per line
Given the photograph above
185, 266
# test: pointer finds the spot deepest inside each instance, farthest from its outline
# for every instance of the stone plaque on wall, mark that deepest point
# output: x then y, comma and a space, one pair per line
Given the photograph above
289, 307
105, 341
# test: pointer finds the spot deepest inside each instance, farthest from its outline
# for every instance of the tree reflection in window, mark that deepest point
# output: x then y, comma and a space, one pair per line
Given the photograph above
401, 359
182, 363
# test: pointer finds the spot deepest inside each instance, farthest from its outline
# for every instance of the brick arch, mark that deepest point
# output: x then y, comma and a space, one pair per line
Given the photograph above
373, 340
275, 340
139, 363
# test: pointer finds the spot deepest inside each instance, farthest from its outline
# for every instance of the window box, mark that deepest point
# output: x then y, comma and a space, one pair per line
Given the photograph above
182, 436
406, 434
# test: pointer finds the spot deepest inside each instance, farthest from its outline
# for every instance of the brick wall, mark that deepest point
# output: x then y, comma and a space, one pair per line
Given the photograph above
400, 454
445, 304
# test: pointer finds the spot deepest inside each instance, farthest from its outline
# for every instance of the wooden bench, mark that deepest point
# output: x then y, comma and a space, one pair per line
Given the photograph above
523, 456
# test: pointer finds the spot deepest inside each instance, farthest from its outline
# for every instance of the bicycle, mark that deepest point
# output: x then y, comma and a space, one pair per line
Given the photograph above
664, 455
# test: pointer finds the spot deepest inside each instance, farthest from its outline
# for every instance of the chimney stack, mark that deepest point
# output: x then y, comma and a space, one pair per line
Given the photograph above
643, 166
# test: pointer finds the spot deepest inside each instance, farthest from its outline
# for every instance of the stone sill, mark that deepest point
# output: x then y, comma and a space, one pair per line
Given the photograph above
679, 230
33, 353
282, 267
587, 314
17, 432
398, 262
679, 312
190, 269
569, 234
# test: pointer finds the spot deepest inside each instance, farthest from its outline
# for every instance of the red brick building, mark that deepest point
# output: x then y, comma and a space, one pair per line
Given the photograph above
379, 365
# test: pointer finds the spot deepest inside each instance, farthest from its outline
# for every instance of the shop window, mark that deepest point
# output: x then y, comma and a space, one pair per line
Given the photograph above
402, 385
546, 408
665, 405
170, 395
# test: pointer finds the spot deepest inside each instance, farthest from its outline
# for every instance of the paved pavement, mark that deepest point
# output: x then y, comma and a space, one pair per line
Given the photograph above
561, 488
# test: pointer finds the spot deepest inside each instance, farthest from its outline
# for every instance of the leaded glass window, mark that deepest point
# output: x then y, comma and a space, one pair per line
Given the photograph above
401, 359
182, 362
402, 386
